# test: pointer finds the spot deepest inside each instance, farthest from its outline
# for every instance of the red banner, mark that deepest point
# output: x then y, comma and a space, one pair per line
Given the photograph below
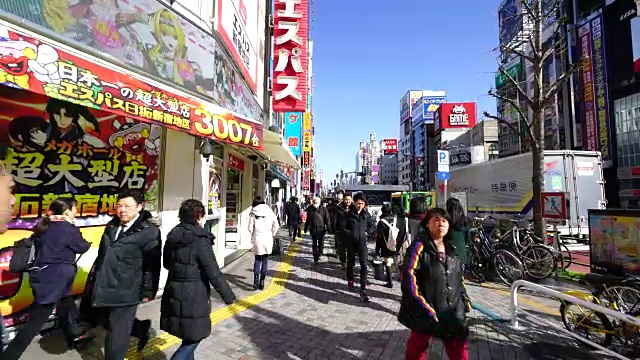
29, 64
57, 148
390, 146
291, 57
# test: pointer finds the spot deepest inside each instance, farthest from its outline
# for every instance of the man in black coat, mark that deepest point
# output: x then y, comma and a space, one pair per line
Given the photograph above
294, 216
359, 227
127, 273
317, 224
341, 233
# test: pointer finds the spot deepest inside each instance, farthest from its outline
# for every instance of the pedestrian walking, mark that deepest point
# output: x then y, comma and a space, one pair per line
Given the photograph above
459, 228
188, 256
127, 273
359, 226
316, 225
434, 299
386, 237
58, 242
293, 213
341, 237
263, 227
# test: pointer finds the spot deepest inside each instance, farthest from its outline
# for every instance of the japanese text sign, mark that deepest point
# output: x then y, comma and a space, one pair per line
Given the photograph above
49, 71
390, 146
290, 34
602, 121
306, 179
150, 37
235, 162
96, 156
237, 24
292, 131
306, 141
306, 159
587, 82
306, 125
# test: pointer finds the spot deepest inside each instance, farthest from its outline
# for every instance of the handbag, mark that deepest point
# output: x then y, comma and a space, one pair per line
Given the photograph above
277, 246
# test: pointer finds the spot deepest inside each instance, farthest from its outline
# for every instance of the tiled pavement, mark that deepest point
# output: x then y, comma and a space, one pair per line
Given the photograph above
310, 313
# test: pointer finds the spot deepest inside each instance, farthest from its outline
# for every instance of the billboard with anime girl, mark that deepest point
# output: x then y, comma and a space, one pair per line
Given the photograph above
57, 148
146, 35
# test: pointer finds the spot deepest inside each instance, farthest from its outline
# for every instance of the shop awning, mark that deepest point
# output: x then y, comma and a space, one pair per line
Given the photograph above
277, 151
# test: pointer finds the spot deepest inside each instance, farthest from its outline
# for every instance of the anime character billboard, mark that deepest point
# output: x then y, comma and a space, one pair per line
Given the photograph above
146, 35
57, 148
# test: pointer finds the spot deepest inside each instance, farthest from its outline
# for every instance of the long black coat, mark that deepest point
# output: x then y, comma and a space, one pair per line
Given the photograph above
432, 288
317, 220
192, 266
127, 270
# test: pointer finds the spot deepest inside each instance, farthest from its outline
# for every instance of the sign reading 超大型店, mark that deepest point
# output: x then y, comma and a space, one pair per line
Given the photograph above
237, 24
57, 74
291, 25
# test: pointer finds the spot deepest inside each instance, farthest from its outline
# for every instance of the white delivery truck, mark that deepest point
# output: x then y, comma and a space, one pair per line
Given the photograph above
503, 187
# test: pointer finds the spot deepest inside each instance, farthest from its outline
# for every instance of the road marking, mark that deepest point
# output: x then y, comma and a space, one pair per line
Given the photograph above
165, 340
542, 308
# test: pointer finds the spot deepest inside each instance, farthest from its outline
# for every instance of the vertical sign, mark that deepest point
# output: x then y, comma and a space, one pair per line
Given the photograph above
290, 34
602, 123
586, 80
292, 131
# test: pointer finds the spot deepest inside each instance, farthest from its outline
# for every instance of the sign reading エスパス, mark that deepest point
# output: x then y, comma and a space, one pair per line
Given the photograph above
290, 34
43, 69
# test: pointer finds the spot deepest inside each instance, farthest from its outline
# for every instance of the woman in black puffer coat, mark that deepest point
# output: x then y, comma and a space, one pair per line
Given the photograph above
192, 266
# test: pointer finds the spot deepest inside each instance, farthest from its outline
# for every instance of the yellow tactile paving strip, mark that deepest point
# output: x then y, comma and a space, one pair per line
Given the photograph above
164, 340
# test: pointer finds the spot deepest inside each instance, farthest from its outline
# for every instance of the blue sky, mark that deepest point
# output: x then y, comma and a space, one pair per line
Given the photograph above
367, 54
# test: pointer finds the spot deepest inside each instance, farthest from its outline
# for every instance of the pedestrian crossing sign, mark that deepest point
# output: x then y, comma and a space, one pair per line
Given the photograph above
554, 205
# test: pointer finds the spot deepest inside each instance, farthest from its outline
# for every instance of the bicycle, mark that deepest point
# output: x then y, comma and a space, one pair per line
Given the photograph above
483, 258
606, 291
539, 260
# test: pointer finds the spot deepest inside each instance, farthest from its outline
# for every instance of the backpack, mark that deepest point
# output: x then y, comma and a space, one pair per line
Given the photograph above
405, 244
24, 254
392, 239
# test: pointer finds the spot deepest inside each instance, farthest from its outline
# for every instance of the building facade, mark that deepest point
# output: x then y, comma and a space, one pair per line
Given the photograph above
122, 110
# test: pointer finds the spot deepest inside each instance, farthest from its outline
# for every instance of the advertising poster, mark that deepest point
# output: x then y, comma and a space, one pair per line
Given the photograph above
29, 64
615, 241
588, 96
430, 105
389, 146
293, 131
603, 125
213, 191
58, 149
148, 36
237, 23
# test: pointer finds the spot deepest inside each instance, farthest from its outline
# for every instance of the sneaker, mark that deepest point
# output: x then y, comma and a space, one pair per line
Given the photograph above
350, 283
363, 296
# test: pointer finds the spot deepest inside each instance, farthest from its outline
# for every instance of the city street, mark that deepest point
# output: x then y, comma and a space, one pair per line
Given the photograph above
308, 312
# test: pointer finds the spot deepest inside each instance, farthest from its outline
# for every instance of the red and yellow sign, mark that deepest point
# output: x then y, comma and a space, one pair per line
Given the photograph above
306, 141
306, 122
57, 148
30, 64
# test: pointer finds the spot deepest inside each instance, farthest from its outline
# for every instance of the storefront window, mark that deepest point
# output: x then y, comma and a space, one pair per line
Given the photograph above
234, 197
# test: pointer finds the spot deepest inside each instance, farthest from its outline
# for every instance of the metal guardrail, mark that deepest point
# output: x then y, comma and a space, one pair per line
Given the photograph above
572, 299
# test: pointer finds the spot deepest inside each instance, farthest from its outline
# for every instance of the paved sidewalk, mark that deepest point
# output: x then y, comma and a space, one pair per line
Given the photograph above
308, 312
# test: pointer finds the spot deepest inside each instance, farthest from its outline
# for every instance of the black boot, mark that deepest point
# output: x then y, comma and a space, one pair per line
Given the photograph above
389, 279
256, 284
261, 284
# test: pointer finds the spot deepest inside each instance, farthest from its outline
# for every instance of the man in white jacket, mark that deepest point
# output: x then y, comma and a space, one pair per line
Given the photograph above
263, 226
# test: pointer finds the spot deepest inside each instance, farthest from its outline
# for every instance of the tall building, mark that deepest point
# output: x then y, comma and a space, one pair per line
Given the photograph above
416, 122
389, 169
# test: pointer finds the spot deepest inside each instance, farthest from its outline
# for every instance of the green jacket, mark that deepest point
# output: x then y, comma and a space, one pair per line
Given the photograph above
460, 239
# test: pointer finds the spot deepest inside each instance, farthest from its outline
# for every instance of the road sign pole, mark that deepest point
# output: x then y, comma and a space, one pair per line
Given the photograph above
446, 182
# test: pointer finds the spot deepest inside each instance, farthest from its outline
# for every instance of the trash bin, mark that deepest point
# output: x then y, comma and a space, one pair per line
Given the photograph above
378, 269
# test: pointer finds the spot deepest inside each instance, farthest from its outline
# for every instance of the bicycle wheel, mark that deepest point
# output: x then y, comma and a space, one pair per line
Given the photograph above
591, 325
538, 261
507, 266
565, 256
